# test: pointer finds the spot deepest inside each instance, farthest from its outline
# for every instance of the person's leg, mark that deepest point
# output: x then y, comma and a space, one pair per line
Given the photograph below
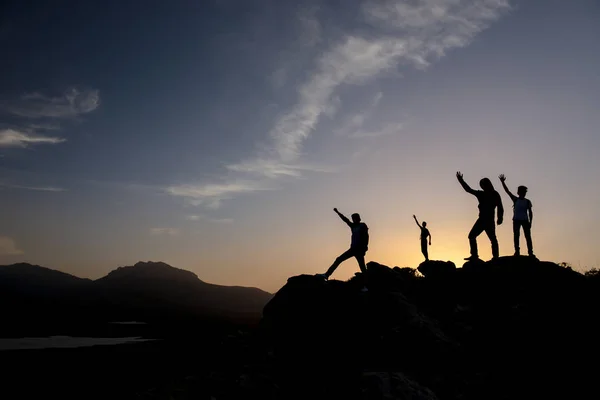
424, 249
343, 257
527, 232
516, 236
490, 230
360, 258
478, 227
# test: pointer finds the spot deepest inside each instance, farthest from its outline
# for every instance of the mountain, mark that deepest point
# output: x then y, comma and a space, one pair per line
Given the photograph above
146, 291
35, 293
35, 278
170, 290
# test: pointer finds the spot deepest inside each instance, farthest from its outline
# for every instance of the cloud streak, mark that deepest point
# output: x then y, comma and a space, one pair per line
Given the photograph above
16, 138
211, 195
72, 103
202, 217
272, 168
35, 188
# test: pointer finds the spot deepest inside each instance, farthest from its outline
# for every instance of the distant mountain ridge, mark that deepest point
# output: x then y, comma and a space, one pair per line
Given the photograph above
157, 269
145, 291
24, 271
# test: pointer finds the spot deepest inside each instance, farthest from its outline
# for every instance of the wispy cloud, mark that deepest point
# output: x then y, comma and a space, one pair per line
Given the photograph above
422, 31
15, 138
72, 103
272, 168
36, 188
353, 61
40, 112
211, 195
8, 247
414, 33
165, 231
352, 126
202, 217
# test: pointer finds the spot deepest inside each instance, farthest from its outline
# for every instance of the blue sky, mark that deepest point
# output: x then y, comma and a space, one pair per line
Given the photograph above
218, 135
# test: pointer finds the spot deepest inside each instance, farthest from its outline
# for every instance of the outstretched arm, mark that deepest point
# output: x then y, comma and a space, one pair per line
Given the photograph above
343, 217
500, 209
503, 180
462, 182
419, 225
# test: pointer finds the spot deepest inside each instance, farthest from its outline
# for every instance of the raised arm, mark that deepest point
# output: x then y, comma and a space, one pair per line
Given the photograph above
503, 180
462, 182
343, 217
419, 225
500, 209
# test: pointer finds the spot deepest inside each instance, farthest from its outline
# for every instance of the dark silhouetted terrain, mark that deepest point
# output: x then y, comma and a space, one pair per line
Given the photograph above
42, 299
515, 328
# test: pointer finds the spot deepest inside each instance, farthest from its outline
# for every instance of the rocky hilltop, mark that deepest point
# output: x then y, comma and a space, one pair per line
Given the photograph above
511, 328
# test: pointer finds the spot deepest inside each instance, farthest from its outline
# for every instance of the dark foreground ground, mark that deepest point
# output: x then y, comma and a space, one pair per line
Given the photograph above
184, 362
512, 329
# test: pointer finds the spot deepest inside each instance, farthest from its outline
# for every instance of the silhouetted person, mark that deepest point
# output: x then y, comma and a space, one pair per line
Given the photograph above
424, 235
358, 246
522, 216
489, 199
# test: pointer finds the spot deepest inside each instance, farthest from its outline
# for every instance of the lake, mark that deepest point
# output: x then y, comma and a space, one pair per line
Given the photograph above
64, 342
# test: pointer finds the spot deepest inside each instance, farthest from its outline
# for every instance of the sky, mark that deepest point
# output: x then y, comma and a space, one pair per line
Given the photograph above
218, 135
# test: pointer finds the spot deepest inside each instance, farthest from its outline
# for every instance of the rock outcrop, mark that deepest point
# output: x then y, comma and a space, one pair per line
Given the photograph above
509, 328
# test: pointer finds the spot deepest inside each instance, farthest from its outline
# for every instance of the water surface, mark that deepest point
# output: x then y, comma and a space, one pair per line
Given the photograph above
64, 342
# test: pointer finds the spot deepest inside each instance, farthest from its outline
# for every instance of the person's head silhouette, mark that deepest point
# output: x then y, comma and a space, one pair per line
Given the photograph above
424, 224
355, 218
486, 185
522, 191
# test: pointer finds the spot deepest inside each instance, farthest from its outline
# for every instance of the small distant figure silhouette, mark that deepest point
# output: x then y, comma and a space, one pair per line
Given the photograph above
489, 199
358, 246
424, 235
522, 216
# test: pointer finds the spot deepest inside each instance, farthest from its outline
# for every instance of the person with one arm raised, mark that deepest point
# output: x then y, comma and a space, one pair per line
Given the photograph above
425, 234
522, 216
359, 244
489, 200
